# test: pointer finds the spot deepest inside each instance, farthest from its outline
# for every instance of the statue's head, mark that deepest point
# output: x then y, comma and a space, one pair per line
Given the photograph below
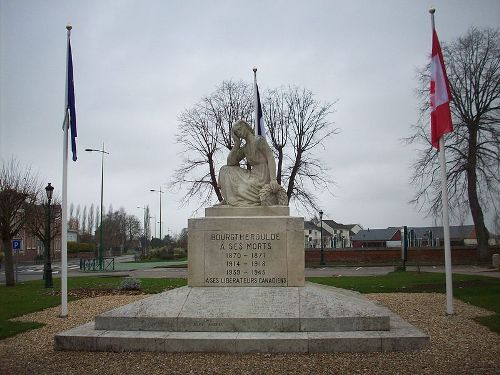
241, 128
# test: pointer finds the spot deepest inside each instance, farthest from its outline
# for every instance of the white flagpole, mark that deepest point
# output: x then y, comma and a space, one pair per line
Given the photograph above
255, 102
64, 216
446, 221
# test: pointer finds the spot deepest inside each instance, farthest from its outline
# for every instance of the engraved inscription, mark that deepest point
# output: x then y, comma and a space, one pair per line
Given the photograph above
245, 259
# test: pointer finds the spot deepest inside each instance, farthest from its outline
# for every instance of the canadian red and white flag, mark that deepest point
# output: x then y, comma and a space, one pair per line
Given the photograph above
440, 95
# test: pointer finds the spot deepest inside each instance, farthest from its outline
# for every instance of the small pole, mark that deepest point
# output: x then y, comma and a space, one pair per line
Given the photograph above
255, 103
101, 239
161, 238
322, 255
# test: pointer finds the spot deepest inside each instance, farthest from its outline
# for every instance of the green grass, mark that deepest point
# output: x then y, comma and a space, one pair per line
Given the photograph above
22, 299
481, 291
158, 260
127, 266
31, 296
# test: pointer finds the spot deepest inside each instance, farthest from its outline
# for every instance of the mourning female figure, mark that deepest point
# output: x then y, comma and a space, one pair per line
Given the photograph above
256, 186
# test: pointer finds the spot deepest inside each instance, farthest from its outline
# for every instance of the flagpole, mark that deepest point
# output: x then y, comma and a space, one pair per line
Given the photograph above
64, 206
446, 223
255, 103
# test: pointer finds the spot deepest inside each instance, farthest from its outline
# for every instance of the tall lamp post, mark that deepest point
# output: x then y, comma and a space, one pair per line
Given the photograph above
160, 192
48, 264
322, 255
101, 239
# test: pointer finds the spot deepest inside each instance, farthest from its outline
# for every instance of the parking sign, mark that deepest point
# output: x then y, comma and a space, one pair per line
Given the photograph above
16, 245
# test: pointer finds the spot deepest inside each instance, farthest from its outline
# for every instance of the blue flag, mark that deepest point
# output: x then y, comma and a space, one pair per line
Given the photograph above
70, 102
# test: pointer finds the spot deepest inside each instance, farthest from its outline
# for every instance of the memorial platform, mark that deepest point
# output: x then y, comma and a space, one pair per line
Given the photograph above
313, 318
247, 293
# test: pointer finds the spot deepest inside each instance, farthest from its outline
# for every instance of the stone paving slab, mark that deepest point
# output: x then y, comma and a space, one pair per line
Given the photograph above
249, 309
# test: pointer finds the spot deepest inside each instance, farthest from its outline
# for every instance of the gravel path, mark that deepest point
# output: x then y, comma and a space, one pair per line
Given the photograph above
458, 346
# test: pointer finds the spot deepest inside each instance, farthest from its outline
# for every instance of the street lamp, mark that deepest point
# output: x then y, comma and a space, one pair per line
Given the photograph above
322, 255
101, 239
160, 192
48, 265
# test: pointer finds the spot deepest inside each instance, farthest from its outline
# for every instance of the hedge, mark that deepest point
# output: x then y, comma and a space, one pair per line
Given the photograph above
75, 247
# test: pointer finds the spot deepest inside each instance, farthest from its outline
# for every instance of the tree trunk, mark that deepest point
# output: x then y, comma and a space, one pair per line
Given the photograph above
293, 175
482, 234
280, 166
213, 177
9, 262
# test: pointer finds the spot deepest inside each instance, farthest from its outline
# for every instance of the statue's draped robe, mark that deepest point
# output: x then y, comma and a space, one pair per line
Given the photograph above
240, 186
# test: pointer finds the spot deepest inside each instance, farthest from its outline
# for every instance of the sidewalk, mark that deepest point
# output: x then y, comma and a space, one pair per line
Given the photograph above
464, 269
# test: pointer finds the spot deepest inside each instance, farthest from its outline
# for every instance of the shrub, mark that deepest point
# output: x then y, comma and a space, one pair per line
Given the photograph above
75, 247
130, 284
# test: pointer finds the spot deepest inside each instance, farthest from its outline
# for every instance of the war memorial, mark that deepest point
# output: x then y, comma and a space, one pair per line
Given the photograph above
246, 288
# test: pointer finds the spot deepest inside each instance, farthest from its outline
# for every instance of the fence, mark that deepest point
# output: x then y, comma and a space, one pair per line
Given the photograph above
416, 255
94, 264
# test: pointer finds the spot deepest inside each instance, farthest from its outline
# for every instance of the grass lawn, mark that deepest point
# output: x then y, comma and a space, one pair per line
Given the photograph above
157, 260
140, 265
31, 296
480, 291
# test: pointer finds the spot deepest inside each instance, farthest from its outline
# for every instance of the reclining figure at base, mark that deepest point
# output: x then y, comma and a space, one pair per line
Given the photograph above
257, 186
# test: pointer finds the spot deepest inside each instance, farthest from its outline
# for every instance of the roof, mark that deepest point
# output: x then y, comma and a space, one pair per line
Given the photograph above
334, 225
375, 234
312, 226
456, 231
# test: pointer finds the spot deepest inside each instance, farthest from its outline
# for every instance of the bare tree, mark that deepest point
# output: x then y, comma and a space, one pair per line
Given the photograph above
133, 226
473, 148
198, 135
78, 218
309, 126
84, 219
232, 101
36, 221
277, 119
297, 125
97, 218
19, 187
91, 219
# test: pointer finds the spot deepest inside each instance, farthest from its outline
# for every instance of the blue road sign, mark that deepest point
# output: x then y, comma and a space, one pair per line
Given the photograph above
16, 245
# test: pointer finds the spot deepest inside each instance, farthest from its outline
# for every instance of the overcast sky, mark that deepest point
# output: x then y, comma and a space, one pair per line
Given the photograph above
139, 64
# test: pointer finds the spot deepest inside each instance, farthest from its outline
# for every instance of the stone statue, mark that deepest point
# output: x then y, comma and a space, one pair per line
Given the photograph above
255, 187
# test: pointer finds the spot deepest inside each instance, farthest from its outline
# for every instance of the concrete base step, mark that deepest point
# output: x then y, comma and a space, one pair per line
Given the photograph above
401, 337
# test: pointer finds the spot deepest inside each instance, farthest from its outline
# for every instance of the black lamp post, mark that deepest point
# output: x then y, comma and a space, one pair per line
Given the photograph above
47, 271
101, 237
322, 255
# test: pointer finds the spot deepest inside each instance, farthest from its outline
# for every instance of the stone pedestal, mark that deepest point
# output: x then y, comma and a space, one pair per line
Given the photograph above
246, 246
247, 294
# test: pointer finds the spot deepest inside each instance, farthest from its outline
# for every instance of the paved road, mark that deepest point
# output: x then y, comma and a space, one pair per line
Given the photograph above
35, 272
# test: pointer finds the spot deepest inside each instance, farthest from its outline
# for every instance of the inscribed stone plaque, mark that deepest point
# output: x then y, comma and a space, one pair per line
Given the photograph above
235, 258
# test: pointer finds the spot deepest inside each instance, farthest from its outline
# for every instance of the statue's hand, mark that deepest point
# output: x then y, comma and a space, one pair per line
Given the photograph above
274, 186
236, 140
